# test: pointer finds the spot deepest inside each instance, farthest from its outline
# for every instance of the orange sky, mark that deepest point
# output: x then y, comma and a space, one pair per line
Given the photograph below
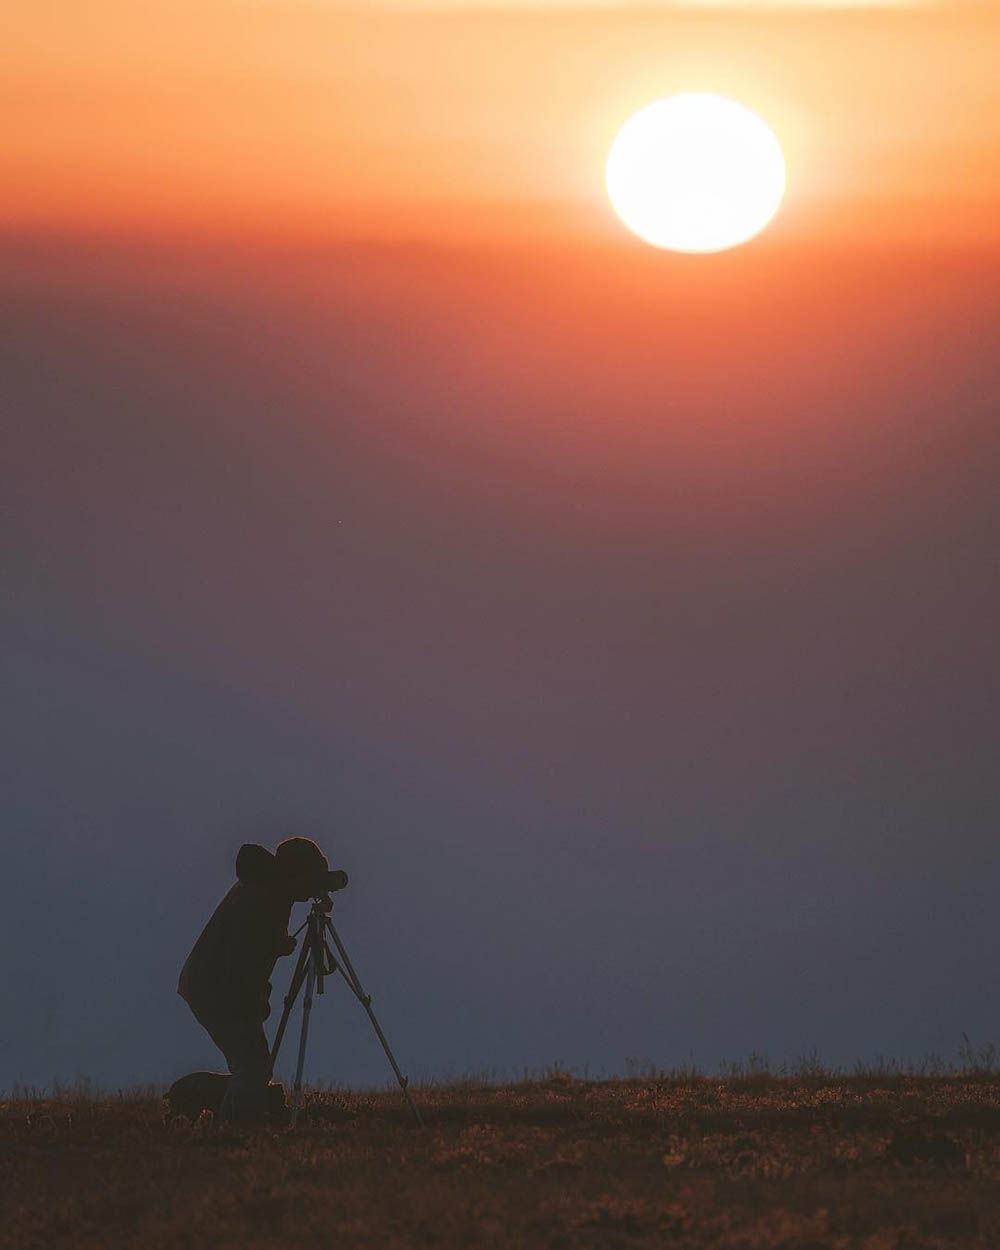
486, 121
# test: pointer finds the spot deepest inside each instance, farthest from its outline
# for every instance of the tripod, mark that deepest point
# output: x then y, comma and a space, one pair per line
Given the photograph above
316, 962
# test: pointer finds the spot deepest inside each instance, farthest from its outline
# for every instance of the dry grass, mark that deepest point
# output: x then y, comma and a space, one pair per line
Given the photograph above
883, 1162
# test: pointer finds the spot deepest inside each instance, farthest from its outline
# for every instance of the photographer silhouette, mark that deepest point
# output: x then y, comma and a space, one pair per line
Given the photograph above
226, 978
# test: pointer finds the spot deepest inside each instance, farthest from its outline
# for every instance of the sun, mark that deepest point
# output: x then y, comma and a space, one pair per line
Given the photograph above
695, 173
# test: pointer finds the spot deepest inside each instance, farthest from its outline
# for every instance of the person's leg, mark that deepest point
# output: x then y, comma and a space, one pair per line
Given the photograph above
245, 1047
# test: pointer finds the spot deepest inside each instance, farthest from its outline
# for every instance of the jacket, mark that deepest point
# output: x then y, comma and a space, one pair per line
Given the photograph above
227, 974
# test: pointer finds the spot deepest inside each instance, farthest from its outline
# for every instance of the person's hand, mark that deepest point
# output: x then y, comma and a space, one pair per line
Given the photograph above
286, 945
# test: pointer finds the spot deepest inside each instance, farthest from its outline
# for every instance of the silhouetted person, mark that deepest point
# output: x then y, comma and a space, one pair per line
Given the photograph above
226, 978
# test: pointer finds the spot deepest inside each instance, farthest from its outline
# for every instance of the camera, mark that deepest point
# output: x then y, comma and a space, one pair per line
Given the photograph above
327, 884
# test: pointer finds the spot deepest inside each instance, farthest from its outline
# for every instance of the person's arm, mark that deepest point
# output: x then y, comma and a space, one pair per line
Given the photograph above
257, 943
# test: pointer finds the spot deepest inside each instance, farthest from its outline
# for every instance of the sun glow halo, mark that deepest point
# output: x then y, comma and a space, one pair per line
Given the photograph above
695, 173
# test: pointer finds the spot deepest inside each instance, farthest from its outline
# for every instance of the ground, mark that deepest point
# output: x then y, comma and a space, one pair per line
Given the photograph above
748, 1163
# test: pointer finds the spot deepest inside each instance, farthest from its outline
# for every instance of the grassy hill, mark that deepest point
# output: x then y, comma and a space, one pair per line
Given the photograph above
756, 1162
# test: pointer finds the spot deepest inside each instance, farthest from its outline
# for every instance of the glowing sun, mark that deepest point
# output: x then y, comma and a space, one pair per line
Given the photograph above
695, 173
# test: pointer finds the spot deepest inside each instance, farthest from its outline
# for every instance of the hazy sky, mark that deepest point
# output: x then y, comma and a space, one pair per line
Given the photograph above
480, 122
624, 623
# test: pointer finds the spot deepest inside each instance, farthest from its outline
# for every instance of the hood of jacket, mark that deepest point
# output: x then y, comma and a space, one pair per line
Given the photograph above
255, 864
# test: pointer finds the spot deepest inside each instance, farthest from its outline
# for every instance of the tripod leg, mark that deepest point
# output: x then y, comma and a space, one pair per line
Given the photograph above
293, 990
307, 1003
365, 1000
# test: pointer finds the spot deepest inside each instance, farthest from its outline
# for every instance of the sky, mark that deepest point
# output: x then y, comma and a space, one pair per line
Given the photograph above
622, 621
402, 122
